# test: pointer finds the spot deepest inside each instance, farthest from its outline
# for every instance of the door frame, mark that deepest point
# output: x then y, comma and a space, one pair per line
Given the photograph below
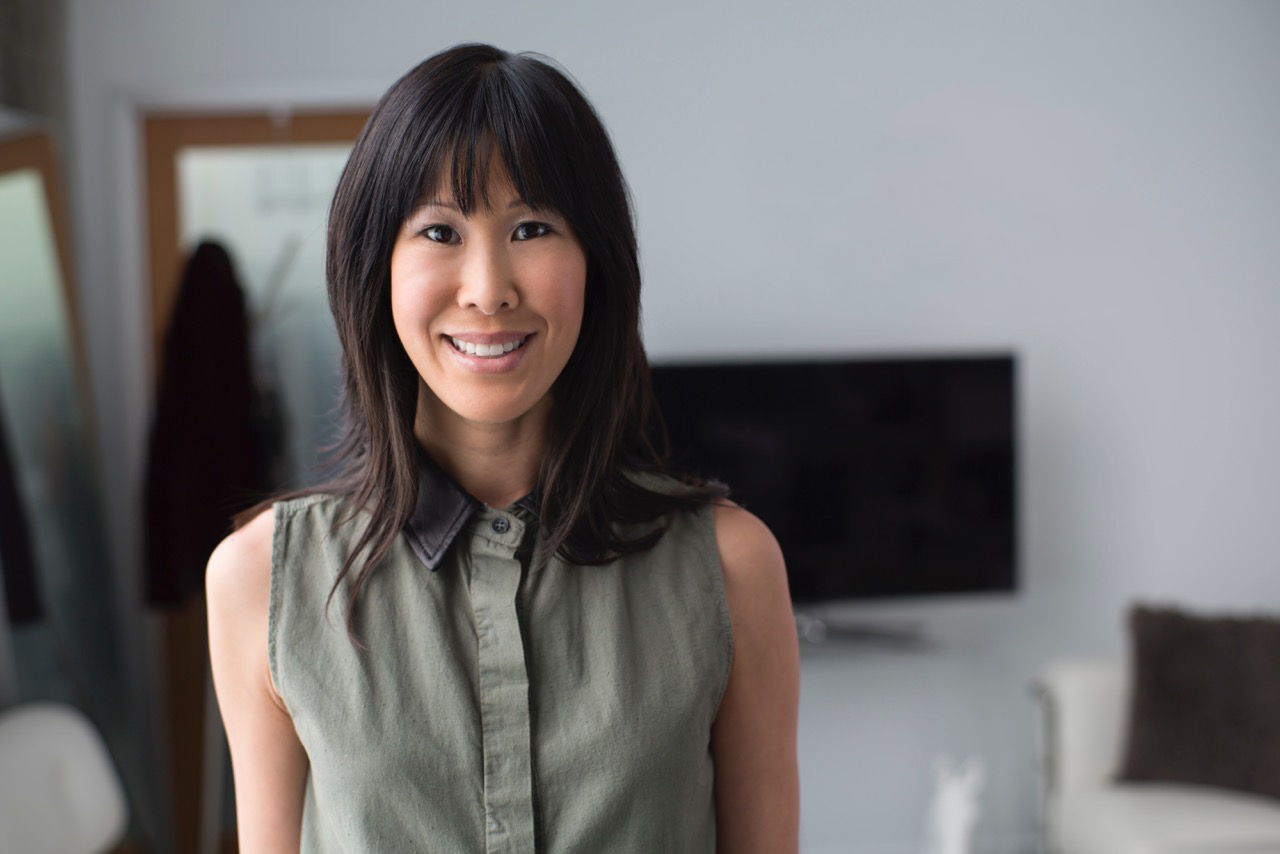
165, 133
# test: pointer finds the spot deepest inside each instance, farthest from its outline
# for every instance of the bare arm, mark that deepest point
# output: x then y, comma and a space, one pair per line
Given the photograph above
270, 764
754, 736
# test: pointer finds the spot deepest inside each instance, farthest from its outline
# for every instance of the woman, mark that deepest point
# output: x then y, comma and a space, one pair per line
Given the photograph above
550, 643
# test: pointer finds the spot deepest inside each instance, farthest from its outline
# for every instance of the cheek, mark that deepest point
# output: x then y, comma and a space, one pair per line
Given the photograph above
402, 312
570, 305
401, 291
566, 293
412, 299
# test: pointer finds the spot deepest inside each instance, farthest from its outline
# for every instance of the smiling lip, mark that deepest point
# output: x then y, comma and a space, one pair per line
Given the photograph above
488, 352
489, 337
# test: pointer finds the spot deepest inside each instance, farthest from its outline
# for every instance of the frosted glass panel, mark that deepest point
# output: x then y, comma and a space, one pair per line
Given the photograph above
267, 205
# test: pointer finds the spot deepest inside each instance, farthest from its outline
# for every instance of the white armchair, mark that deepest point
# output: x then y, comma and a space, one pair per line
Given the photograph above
59, 792
1084, 713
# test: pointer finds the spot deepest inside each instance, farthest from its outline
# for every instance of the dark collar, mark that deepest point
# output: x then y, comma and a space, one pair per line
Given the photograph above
442, 510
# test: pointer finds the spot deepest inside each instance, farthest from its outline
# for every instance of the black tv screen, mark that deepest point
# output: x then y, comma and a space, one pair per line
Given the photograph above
880, 477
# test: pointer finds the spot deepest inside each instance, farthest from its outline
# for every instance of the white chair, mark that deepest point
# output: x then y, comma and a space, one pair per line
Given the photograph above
1084, 713
59, 792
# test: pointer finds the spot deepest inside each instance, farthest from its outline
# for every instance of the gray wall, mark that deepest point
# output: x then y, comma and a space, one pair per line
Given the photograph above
1093, 185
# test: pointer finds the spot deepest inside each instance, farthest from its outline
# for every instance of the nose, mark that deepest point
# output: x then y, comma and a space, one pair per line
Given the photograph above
488, 279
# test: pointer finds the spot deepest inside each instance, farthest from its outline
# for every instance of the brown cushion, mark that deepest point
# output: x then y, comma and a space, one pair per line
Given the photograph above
1206, 700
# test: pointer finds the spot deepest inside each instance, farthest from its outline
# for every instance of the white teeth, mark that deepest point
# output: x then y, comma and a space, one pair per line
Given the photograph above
485, 350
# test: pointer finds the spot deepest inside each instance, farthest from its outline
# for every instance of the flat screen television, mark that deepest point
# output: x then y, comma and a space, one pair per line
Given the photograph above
880, 477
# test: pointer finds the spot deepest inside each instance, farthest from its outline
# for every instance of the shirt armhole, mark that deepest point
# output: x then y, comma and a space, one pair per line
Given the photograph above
276, 606
715, 577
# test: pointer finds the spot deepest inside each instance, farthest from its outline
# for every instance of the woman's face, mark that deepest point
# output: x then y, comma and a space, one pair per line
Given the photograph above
488, 306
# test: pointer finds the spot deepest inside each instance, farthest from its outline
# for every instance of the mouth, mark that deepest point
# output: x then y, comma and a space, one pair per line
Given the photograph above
487, 349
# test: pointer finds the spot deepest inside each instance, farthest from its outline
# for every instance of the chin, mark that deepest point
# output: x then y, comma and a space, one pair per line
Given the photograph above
492, 415
492, 409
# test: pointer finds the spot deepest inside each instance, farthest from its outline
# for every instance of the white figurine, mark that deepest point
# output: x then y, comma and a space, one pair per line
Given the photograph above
953, 814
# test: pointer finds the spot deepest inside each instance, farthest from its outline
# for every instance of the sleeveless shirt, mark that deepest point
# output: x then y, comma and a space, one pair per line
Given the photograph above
500, 705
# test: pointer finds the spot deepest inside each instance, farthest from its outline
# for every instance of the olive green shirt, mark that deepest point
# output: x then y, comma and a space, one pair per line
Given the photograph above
500, 706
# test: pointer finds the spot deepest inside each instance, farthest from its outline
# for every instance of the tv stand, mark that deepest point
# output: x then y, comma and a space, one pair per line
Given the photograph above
818, 629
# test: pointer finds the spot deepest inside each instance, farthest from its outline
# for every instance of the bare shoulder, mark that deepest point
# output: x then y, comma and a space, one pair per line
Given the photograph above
749, 553
239, 571
754, 734
755, 580
269, 761
238, 595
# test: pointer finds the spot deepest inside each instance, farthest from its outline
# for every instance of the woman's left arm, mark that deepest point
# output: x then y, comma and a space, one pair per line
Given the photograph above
753, 740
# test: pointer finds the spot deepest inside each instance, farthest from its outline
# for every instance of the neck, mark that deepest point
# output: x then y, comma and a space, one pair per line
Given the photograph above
496, 463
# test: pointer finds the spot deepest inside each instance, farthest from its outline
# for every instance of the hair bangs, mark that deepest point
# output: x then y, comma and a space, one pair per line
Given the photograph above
501, 116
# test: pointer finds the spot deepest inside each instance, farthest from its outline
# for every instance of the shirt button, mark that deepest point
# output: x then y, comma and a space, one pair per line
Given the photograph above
500, 525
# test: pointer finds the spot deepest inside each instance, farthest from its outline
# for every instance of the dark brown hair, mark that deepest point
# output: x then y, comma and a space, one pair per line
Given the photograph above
441, 122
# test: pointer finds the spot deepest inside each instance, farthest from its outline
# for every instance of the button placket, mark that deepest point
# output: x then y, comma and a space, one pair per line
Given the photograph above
504, 686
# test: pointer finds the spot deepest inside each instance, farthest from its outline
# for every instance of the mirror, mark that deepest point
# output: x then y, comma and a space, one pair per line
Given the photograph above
72, 652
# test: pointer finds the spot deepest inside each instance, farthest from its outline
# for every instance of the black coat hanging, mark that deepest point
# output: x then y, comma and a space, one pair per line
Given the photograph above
205, 463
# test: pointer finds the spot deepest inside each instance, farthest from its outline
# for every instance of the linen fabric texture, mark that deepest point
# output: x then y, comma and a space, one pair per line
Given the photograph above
1205, 706
501, 705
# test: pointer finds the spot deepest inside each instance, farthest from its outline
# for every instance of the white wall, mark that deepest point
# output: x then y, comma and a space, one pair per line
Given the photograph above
1091, 184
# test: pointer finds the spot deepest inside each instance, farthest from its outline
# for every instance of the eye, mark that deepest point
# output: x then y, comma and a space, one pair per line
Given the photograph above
530, 230
440, 234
